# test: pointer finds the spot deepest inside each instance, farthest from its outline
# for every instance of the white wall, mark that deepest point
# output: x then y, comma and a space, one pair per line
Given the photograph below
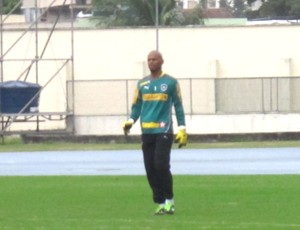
189, 52
207, 52
198, 124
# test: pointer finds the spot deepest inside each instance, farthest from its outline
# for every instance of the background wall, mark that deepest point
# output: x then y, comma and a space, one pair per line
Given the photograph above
189, 52
208, 52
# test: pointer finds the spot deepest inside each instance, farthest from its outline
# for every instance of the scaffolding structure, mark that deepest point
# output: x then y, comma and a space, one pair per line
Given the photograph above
32, 64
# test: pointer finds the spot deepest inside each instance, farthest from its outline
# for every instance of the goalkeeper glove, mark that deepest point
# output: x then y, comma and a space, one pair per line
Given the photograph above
127, 125
181, 137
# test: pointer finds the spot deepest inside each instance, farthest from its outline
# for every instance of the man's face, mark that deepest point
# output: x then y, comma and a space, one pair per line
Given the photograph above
155, 62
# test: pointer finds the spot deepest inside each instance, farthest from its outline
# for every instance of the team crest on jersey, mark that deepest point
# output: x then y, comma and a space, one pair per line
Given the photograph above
164, 87
162, 124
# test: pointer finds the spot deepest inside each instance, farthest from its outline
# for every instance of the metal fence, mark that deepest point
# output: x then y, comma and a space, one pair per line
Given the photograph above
200, 96
259, 95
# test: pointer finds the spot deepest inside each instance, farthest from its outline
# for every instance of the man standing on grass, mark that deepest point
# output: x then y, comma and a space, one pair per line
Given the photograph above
154, 97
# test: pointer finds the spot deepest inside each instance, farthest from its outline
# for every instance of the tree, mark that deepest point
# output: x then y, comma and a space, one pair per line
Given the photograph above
237, 7
273, 8
194, 16
294, 7
9, 5
138, 12
281, 8
250, 2
146, 11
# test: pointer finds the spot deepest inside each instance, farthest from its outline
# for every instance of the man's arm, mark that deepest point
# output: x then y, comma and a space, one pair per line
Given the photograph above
135, 112
181, 137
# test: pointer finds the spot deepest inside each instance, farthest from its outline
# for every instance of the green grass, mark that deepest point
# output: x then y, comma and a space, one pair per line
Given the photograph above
124, 202
16, 144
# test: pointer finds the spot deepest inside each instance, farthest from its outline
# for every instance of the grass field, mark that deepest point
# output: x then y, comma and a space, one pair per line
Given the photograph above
124, 202
16, 144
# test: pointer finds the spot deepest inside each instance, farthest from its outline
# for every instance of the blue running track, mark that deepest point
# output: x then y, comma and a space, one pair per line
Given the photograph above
251, 161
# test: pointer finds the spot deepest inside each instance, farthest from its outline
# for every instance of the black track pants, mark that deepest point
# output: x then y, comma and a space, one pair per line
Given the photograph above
156, 152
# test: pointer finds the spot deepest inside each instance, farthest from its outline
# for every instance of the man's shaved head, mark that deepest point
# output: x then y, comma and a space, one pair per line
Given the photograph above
155, 62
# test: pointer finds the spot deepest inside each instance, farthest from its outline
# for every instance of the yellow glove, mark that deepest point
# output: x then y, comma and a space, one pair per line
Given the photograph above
181, 138
127, 126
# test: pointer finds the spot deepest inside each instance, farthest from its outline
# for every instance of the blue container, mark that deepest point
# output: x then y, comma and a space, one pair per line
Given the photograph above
15, 95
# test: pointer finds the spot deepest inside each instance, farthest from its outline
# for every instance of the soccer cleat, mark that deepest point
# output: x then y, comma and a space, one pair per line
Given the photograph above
169, 208
160, 210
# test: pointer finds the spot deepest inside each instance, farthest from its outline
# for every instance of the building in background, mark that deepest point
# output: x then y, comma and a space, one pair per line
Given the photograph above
188, 4
215, 4
47, 10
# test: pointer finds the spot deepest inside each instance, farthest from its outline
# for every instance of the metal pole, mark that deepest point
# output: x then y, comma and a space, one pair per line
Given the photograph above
1, 64
36, 42
157, 24
37, 56
73, 71
1, 39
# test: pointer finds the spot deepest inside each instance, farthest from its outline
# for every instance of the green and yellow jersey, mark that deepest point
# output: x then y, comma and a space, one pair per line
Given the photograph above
153, 101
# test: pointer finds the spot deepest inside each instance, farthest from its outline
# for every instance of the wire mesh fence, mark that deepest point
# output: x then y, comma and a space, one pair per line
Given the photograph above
200, 96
